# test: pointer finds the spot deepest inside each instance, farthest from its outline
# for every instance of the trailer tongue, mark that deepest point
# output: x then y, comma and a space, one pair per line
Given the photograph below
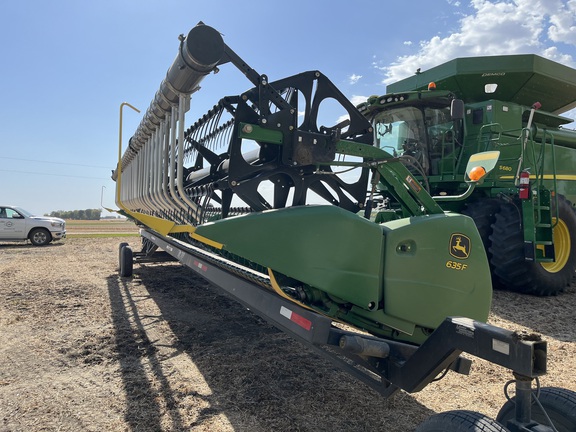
281, 212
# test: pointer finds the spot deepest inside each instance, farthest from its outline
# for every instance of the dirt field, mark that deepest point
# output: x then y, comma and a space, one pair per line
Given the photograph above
82, 349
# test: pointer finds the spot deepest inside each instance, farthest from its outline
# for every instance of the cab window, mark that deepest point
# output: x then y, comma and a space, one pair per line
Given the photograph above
8, 213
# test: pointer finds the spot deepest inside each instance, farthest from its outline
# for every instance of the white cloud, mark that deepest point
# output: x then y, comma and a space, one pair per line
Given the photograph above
354, 78
495, 28
356, 99
563, 28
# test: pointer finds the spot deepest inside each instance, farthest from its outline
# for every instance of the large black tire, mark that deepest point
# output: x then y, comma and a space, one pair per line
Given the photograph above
507, 253
126, 261
483, 212
460, 421
559, 404
120, 247
40, 236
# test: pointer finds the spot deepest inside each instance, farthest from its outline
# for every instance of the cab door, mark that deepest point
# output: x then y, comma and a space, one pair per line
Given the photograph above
12, 224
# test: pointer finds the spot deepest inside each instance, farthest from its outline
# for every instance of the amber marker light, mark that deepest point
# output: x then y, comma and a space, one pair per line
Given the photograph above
477, 173
432, 86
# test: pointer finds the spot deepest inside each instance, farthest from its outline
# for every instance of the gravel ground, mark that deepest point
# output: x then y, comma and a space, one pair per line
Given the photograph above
83, 349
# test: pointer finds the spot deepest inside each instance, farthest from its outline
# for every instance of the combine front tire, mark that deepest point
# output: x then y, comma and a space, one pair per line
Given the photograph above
564, 245
559, 404
483, 213
507, 253
460, 421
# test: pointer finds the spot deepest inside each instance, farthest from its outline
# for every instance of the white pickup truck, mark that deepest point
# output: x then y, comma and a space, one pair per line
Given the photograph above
17, 224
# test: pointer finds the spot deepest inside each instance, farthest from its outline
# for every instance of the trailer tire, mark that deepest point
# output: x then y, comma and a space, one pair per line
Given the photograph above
120, 246
510, 267
126, 261
559, 404
460, 421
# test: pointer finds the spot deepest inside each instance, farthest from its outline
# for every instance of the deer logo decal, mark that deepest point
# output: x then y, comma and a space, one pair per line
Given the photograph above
459, 246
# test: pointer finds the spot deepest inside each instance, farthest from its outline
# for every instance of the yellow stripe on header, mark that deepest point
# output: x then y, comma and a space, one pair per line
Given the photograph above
207, 241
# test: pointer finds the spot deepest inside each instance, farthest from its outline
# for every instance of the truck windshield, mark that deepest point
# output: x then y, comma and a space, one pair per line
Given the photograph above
23, 212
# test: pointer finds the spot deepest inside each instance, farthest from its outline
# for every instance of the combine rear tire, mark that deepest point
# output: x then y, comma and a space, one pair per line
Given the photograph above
559, 404
507, 253
460, 421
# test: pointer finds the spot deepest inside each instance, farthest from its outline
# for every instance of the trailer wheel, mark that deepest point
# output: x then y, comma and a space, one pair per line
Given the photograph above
120, 246
126, 261
514, 272
559, 404
460, 421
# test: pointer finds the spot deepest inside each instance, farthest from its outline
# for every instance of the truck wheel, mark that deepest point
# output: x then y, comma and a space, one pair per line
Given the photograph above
514, 272
126, 261
460, 421
40, 237
559, 404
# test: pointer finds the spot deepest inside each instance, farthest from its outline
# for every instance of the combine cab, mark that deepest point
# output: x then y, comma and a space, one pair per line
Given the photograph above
286, 214
510, 104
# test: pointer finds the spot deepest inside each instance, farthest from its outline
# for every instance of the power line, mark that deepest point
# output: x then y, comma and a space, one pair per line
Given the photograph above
55, 163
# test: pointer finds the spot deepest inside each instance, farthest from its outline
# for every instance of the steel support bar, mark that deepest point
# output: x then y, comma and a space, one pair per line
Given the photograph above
282, 313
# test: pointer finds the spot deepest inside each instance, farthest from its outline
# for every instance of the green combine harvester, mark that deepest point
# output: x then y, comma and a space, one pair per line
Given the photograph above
339, 235
510, 104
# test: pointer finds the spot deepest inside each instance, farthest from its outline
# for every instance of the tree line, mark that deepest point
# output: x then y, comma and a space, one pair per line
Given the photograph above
88, 214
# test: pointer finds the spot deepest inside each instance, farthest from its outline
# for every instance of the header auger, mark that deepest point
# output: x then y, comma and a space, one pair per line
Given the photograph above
264, 199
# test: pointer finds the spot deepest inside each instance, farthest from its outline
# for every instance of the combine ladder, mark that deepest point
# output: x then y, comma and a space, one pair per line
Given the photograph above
539, 221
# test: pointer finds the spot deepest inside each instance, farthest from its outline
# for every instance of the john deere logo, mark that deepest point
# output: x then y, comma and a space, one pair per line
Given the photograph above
459, 246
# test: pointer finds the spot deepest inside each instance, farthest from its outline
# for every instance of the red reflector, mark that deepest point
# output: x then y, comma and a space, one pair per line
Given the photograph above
295, 318
199, 265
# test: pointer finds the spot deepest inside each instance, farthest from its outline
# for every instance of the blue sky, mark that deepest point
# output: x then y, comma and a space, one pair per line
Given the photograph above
67, 66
